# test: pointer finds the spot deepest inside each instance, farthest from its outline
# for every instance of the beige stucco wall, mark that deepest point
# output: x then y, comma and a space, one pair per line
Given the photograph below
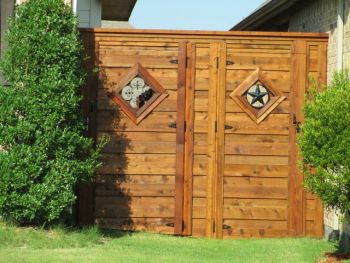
322, 16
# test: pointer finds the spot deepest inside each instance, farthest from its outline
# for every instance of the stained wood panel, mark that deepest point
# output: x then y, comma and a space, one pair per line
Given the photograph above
135, 187
201, 137
316, 70
198, 164
264, 209
256, 170
256, 155
159, 225
255, 228
144, 207
117, 121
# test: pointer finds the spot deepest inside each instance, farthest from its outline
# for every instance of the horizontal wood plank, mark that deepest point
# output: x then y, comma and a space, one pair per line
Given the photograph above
255, 148
244, 170
253, 187
255, 228
199, 227
242, 124
255, 160
279, 79
200, 186
138, 164
119, 146
250, 61
118, 121
251, 209
157, 225
168, 105
110, 77
256, 138
135, 185
125, 207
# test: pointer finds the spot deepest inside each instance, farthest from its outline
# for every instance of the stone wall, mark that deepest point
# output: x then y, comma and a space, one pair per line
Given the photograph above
322, 16
6, 9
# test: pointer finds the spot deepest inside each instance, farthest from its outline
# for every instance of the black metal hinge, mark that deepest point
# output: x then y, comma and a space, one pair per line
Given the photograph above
91, 106
172, 125
224, 226
183, 225
174, 61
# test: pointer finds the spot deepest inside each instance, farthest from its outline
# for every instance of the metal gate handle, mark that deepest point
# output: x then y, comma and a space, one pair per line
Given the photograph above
296, 123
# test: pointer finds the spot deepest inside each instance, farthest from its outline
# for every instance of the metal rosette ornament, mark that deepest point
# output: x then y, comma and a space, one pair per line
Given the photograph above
136, 93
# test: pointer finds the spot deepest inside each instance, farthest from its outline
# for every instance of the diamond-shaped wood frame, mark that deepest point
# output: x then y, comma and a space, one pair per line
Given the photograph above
138, 115
258, 115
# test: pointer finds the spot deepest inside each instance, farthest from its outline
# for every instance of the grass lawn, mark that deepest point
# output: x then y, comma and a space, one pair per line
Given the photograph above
90, 245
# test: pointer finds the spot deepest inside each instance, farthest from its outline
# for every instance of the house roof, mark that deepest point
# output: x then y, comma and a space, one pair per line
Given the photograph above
117, 10
272, 15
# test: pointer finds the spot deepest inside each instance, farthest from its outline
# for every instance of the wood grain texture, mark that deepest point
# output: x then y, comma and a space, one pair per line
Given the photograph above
212, 130
206, 34
189, 138
180, 139
157, 225
85, 191
220, 140
218, 173
297, 214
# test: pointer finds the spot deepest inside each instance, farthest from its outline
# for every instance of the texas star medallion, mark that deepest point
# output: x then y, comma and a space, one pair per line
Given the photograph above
257, 96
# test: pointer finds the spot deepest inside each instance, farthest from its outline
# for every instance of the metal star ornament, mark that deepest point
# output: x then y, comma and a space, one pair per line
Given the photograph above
257, 96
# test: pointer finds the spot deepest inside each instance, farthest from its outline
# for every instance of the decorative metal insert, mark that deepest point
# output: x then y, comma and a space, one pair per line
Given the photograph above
137, 93
257, 97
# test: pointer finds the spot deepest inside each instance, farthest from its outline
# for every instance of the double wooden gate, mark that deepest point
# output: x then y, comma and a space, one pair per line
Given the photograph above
213, 152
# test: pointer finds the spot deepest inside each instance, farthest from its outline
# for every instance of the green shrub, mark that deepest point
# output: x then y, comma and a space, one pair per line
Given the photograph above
325, 143
44, 154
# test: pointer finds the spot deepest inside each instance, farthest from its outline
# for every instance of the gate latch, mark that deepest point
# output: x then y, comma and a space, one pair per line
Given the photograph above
296, 123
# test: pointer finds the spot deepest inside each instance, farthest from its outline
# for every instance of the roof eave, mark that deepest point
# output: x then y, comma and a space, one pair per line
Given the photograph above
266, 12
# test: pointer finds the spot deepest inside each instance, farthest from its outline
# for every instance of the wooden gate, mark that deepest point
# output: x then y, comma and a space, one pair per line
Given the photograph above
202, 129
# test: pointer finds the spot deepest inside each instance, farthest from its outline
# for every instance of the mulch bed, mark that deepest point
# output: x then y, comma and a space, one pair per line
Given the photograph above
333, 257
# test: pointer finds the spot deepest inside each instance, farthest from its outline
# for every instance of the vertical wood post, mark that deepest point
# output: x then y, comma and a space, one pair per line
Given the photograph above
297, 213
220, 140
180, 139
212, 130
189, 119
86, 191
322, 81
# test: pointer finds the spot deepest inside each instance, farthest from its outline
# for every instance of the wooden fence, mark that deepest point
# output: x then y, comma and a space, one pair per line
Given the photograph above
202, 129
